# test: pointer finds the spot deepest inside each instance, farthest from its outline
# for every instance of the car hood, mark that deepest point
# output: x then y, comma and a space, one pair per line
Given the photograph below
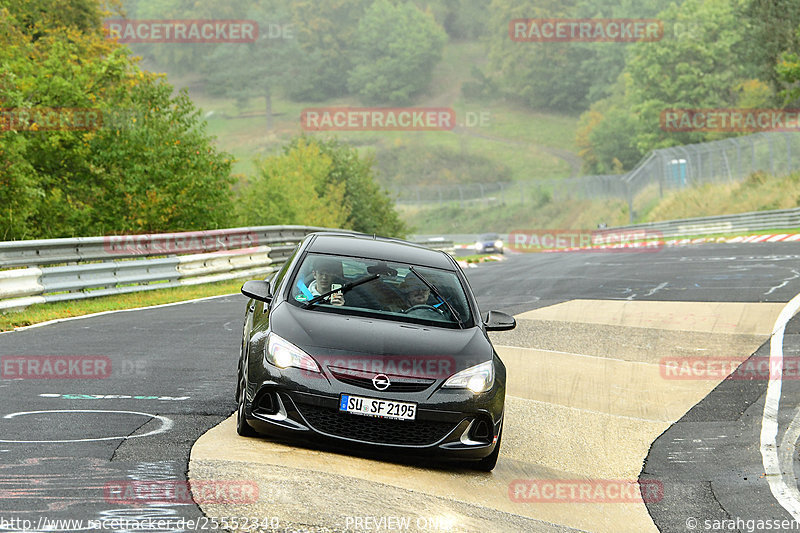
356, 342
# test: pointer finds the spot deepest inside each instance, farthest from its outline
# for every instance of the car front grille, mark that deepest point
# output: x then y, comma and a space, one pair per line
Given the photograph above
375, 430
363, 380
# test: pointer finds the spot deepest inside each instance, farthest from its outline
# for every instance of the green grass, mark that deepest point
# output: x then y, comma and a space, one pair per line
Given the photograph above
51, 311
759, 192
477, 258
566, 214
513, 136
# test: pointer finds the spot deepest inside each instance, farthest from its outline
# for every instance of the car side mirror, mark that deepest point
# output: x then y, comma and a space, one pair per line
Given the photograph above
497, 321
258, 290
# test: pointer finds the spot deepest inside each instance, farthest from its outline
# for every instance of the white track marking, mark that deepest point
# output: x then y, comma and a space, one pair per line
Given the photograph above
788, 498
786, 455
776, 238
166, 425
783, 283
656, 289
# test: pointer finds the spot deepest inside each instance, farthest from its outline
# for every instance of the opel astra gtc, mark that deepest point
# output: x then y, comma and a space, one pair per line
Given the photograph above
376, 343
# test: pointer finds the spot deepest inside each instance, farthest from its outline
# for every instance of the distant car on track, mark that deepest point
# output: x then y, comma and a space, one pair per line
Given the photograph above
337, 347
489, 243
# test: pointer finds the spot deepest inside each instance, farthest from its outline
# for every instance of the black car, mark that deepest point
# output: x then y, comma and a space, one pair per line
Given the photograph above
376, 343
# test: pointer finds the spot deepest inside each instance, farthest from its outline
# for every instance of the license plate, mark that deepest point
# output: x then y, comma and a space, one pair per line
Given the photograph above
358, 405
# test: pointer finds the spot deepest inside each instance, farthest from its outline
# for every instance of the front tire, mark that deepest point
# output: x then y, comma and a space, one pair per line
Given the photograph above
488, 463
242, 427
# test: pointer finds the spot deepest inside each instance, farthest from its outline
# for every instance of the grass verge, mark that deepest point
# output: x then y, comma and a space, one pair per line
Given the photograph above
478, 258
51, 311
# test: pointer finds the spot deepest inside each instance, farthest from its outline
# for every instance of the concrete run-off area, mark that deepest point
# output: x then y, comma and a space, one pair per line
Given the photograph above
586, 399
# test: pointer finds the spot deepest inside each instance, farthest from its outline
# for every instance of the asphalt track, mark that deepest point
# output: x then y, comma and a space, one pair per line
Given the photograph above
588, 401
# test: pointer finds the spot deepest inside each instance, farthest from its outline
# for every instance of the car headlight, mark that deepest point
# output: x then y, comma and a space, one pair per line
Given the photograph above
284, 354
478, 378
498, 244
478, 246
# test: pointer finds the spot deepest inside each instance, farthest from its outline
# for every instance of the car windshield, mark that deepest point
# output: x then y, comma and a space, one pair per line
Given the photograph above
489, 237
389, 290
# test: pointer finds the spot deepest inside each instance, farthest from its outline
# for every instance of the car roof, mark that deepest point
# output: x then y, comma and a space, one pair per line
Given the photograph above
360, 245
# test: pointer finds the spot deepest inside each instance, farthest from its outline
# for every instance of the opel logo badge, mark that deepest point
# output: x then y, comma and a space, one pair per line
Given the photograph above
381, 382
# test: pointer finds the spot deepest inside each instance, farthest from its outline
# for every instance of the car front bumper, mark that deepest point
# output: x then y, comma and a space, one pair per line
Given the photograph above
436, 432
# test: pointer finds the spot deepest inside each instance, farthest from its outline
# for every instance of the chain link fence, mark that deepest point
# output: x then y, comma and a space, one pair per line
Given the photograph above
725, 161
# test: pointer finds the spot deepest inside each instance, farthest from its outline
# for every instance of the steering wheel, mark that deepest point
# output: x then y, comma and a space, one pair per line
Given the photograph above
423, 306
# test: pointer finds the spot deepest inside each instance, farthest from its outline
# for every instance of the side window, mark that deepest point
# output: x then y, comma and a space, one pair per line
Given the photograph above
277, 279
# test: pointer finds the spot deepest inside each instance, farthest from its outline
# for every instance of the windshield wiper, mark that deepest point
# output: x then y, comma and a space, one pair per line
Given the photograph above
438, 295
344, 288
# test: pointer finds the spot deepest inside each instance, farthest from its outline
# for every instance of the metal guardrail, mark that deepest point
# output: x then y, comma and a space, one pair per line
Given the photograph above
74, 250
102, 266
753, 221
740, 223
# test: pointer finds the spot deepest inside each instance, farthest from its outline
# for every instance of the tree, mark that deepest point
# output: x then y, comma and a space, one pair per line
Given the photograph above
258, 68
395, 51
700, 68
325, 32
461, 19
606, 136
701, 72
540, 75
147, 165
293, 188
182, 58
770, 29
606, 144
31, 15
320, 183
788, 74
561, 76
370, 208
